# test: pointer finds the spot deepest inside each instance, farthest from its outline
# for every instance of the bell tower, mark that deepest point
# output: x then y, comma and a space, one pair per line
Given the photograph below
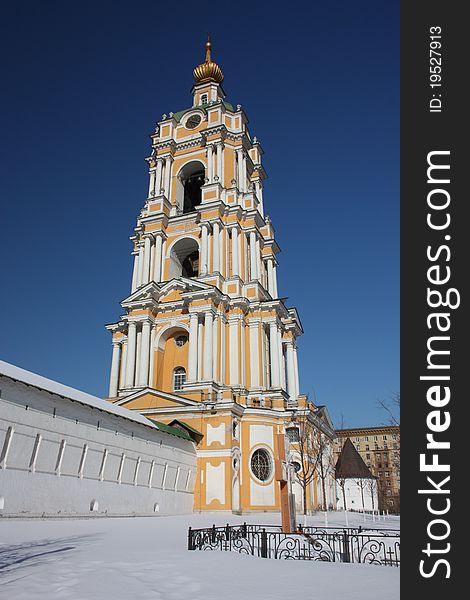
204, 334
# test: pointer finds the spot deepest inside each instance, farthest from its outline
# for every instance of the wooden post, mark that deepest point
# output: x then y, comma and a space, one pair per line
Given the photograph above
281, 476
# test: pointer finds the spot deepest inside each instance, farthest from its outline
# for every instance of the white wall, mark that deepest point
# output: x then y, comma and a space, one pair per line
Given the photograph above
352, 491
35, 480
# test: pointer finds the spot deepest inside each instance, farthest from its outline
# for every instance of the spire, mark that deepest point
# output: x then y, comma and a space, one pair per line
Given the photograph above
208, 70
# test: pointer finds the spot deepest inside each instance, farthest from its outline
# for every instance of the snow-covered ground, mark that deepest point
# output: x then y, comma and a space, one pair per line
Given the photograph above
146, 558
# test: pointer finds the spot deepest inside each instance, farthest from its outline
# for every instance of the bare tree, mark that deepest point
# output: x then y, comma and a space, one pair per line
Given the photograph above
392, 408
341, 481
306, 447
325, 465
371, 487
361, 484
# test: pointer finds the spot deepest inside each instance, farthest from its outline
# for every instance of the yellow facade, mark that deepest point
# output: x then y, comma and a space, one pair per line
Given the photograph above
205, 342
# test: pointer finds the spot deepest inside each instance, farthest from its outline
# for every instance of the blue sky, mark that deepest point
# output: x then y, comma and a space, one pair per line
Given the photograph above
84, 84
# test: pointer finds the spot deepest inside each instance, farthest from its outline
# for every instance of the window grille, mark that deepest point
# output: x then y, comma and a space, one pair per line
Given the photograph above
179, 378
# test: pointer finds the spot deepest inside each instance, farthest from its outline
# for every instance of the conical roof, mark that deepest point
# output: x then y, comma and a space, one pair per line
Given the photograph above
350, 464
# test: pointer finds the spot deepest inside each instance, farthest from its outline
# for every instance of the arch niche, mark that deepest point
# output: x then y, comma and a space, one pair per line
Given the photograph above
172, 354
184, 258
189, 181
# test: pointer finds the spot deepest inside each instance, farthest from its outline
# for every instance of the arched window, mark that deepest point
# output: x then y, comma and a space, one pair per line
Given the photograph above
179, 378
188, 190
204, 99
184, 258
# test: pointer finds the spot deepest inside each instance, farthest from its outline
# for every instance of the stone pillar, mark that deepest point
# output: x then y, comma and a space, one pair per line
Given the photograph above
158, 177
122, 378
259, 195
135, 273
220, 162
254, 355
215, 352
141, 261
144, 354
275, 280
157, 263
234, 352
147, 256
235, 252
258, 259
204, 258
152, 356
215, 247
168, 161
244, 176
274, 355
210, 164
208, 341
290, 371
193, 346
114, 378
296, 373
131, 352
253, 263
152, 183
270, 262
240, 170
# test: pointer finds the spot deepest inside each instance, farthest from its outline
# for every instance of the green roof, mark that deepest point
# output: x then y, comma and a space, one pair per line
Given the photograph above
179, 115
172, 430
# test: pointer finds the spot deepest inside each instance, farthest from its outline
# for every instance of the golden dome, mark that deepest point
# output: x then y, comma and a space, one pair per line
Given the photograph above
208, 70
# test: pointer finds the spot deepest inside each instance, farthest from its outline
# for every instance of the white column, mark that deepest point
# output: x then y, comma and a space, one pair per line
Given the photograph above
122, 370
220, 162
204, 258
296, 373
114, 378
234, 364
215, 346
253, 263
244, 187
147, 256
200, 337
215, 247
235, 252
158, 177
222, 350
210, 164
254, 355
274, 355
140, 278
282, 362
144, 354
259, 194
131, 352
152, 356
271, 277
157, 263
208, 341
275, 280
135, 273
138, 354
290, 371
193, 347
258, 259
168, 161
152, 183
240, 170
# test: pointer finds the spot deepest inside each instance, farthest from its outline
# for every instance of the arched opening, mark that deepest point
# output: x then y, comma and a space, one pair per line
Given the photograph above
172, 359
190, 180
184, 258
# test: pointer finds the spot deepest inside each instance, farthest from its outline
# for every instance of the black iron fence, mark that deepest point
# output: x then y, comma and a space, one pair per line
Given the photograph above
331, 544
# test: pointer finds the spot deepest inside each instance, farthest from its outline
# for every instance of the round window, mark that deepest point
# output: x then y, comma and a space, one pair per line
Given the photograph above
193, 121
181, 340
261, 464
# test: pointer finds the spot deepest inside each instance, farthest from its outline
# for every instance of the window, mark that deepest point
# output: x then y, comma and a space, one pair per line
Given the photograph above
204, 99
181, 340
292, 434
375, 438
179, 378
368, 456
261, 464
366, 439
357, 439
367, 447
384, 437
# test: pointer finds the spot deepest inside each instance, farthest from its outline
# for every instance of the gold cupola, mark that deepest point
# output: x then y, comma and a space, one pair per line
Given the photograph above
208, 70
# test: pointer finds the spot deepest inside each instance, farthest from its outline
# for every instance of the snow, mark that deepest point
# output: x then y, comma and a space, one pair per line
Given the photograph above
146, 558
60, 389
